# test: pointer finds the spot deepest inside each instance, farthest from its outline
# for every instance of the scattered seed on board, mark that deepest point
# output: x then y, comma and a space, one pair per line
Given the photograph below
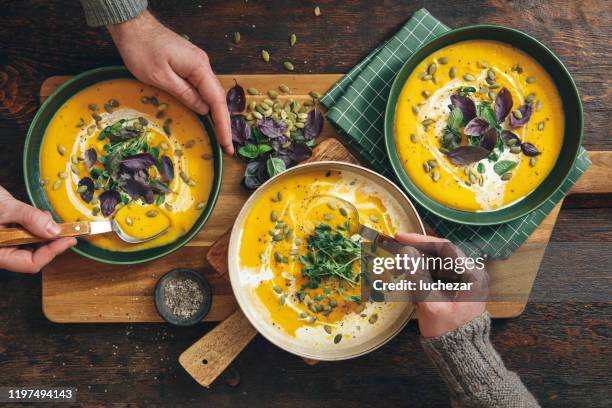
265, 55
272, 94
317, 11
288, 66
252, 91
236, 37
314, 94
284, 88
292, 39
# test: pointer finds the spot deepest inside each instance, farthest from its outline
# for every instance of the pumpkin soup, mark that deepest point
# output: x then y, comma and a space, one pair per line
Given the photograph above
479, 125
121, 149
307, 279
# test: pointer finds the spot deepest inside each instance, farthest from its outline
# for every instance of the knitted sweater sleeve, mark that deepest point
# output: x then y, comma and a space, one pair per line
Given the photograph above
472, 369
105, 12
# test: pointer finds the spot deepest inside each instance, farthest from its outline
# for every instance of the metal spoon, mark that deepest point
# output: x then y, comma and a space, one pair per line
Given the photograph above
21, 236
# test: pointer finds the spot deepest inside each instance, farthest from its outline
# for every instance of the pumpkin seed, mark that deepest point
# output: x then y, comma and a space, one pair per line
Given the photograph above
443, 60
426, 167
541, 125
272, 94
160, 114
432, 163
90, 130
413, 138
200, 205
373, 318
56, 185
506, 176
162, 107
191, 183
169, 207
317, 11
491, 95
517, 114
530, 79
153, 101
61, 150
515, 149
494, 85
277, 289
337, 338
328, 217
374, 218
284, 88
511, 142
252, 91
108, 108
491, 74
288, 66
331, 206
309, 102
343, 211
151, 213
80, 123
314, 94
166, 126
473, 178
145, 100
482, 64
74, 160
327, 329
95, 211
530, 98
236, 37
415, 109
43, 181
62, 174
299, 125
178, 152
292, 39
279, 196
75, 169
426, 77
443, 150
425, 94
257, 115
184, 176
538, 105
273, 216
431, 69
452, 73
82, 189
469, 77
533, 161
265, 55
435, 175
129, 221
427, 122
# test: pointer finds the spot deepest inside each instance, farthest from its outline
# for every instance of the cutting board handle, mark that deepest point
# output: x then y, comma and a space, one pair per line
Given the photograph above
208, 357
21, 236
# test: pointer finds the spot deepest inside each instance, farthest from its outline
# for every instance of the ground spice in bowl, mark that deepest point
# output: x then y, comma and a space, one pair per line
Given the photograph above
183, 297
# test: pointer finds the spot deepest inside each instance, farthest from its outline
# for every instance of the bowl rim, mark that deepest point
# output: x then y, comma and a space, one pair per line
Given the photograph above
123, 73
252, 315
389, 129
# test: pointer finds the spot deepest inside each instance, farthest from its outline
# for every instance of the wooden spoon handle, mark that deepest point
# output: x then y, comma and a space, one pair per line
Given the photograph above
21, 236
208, 357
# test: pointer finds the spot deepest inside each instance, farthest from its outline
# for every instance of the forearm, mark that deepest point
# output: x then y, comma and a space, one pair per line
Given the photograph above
106, 12
472, 369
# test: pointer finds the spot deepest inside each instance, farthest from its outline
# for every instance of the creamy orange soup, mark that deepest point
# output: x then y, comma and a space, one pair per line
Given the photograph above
169, 130
483, 68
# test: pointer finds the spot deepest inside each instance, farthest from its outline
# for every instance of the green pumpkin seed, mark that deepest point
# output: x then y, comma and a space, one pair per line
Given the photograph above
413, 138
80, 123
151, 213
515, 149
95, 211
309, 102
530, 98
337, 338
374, 218
432, 163
373, 319
166, 126
491, 74
415, 109
273, 216
332, 206
343, 211
426, 167
284, 88
169, 207
75, 169
56, 185
435, 175
153, 101
506, 176
482, 64
288, 66
273, 94
200, 205
538, 105
279, 196
327, 329
236, 37
178, 152
531, 79
265, 55
511, 142
517, 114
491, 95
90, 130
62, 174
164, 146
74, 160
452, 73
533, 161
61, 150
427, 122
162, 107
443, 60
113, 103
469, 77
473, 178
277, 289
129, 221
494, 86
317, 11
443, 150
257, 115
292, 39
252, 91
425, 94
314, 94
426, 77
431, 69
184, 176
82, 189
541, 125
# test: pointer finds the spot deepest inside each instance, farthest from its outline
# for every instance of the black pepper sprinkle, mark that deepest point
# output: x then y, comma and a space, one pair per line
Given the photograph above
183, 297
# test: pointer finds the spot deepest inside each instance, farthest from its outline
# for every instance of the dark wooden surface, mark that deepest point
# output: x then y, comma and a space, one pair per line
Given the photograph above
560, 349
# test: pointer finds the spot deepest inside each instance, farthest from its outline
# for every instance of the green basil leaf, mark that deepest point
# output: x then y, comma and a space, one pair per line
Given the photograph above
488, 114
504, 166
275, 166
455, 119
249, 151
263, 148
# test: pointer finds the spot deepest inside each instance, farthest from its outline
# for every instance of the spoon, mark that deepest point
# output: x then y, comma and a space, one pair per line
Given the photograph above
328, 201
21, 236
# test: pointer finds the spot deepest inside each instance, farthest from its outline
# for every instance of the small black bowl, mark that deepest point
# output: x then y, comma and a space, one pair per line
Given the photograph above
166, 314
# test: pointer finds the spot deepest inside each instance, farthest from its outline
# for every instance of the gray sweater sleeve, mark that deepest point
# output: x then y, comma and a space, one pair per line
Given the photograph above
104, 12
472, 369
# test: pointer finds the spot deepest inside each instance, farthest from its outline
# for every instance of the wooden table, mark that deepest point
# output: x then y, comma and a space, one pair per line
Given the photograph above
560, 349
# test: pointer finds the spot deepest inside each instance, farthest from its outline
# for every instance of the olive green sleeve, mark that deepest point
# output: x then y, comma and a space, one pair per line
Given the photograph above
105, 12
472, 369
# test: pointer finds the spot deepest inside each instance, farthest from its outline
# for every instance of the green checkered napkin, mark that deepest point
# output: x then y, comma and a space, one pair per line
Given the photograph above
356, 106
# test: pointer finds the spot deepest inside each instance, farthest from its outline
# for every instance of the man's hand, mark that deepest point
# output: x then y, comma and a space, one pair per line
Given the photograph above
160, 57
440, 317
37, 222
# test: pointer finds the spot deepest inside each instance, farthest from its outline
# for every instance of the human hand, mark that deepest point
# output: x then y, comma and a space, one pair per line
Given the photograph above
158, 56
439, 317
18, 259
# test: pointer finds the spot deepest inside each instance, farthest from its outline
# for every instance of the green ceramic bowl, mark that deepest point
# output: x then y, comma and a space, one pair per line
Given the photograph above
572, 138
31, 168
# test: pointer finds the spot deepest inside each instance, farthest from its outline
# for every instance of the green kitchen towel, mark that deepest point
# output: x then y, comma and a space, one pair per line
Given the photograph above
356, 106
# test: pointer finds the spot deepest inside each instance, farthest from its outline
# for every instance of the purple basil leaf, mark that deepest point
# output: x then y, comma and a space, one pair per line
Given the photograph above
466, 105
159, 187
476, 127
271, 128
91, 156
526, 110
166, 168
503, 104
236, 99
108, 201
277, 144
530, 150
241, 130
464, 155
135, 188
255, 174
299, 152
489, 139
140, 161
87, 195
507, 135
314, 124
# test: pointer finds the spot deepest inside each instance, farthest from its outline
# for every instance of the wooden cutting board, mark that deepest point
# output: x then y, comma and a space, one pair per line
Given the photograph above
78, 290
